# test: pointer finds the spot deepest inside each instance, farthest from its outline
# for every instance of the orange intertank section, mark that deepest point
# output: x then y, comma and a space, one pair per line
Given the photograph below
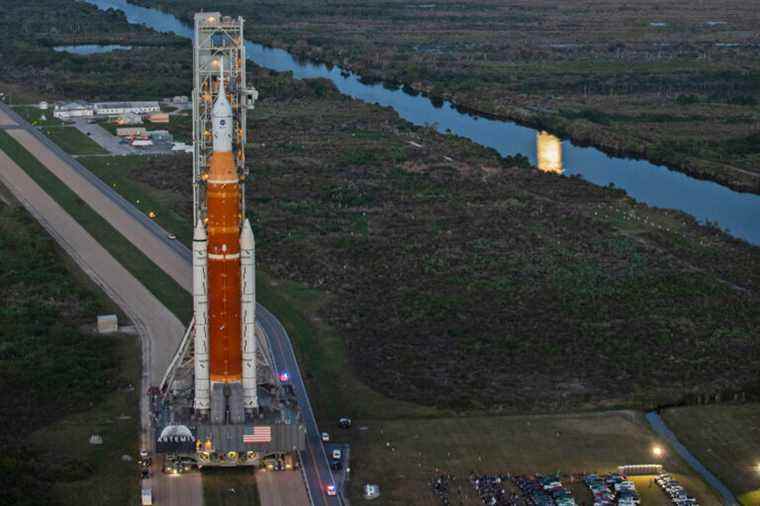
223, 198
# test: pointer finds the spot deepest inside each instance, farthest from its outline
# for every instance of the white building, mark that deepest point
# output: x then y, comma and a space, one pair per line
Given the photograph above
121, 108
108, 323
73, 110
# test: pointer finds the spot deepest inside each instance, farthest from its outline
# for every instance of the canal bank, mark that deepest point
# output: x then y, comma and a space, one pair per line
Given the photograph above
659, 426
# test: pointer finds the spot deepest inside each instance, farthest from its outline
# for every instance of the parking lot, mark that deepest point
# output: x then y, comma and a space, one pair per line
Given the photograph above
560, 490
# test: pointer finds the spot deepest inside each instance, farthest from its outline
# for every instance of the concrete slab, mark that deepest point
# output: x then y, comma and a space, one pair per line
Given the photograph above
281, 488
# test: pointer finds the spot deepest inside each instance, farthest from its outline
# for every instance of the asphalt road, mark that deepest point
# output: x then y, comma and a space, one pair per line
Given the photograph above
104, 138
175, 259
276, 488
315, 462
158, 328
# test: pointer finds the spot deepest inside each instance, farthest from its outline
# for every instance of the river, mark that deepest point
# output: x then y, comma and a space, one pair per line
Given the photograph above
736, 213
91, 48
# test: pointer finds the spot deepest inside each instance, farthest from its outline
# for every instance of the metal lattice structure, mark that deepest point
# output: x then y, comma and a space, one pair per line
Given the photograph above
217, 38
182, 361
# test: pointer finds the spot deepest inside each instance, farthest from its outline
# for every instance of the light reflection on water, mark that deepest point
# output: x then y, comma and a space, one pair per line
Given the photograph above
549, 152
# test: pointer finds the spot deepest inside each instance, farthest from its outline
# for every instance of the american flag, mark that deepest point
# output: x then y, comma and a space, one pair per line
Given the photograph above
261, 434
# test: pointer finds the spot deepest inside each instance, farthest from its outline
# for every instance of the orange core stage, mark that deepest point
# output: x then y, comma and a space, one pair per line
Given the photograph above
223, 194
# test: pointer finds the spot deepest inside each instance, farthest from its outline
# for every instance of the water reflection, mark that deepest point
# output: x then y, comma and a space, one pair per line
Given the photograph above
90, 48
549, 152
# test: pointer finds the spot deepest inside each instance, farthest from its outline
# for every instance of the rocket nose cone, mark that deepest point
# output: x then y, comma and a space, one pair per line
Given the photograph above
246, 236
222, 106
199, 234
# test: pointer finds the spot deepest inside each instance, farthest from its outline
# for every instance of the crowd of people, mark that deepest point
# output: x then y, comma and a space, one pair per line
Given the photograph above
448, 490
495, 490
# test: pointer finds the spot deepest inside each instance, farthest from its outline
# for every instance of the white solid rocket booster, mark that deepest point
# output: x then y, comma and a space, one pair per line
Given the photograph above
248, 315
200, 308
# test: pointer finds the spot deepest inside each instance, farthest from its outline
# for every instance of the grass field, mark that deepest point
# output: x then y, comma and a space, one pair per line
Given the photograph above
105, 478
726, 439
69, 383
333, 387
120, 173
73, 141
229, 487
163, 287
34, 114
402, 456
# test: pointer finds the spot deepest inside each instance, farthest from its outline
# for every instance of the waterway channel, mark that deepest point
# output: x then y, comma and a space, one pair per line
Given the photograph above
91, 48
656, 185
658, 425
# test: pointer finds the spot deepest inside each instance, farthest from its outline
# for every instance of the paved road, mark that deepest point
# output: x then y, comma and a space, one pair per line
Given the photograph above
175, 259
153, 321
276, 488
150, 238
318, 472
104, 138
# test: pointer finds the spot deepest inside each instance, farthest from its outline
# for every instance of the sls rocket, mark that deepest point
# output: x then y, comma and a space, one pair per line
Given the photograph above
224, 299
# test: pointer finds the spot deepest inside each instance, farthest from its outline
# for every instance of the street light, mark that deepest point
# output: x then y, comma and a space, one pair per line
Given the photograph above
657, 451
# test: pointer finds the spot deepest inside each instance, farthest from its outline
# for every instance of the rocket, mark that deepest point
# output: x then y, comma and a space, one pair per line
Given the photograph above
224, 300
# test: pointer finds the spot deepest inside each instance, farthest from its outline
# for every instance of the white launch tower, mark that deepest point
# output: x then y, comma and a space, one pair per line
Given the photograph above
218, 40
